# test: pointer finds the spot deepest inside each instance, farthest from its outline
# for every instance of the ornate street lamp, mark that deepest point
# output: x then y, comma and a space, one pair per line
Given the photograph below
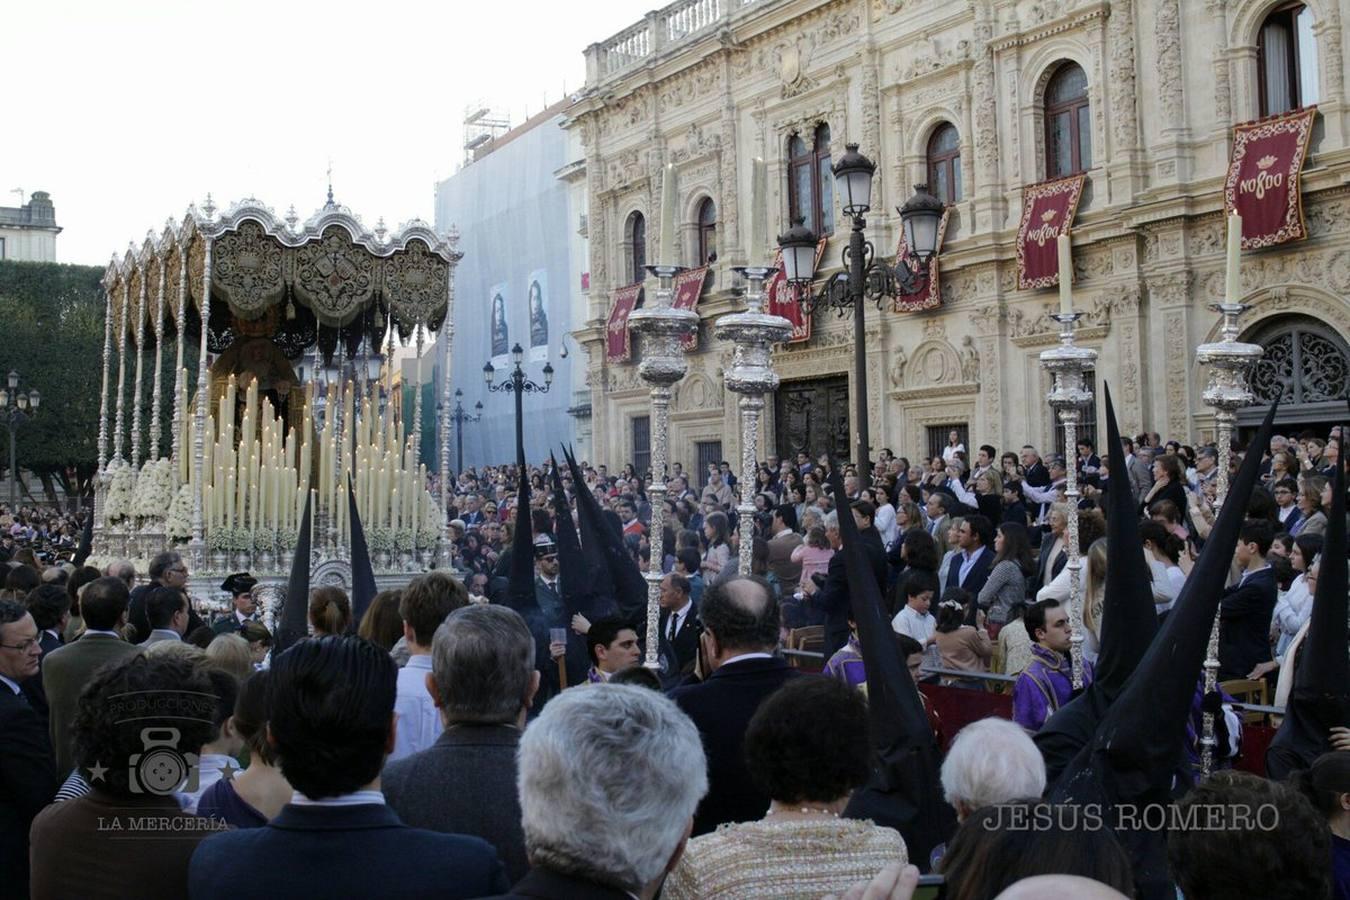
16, 407
519, 385
459, 417
864, 276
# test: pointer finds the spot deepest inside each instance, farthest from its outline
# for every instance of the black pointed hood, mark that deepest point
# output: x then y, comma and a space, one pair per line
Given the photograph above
1320, 699
574, 578
1129, 619
520, 578
629, 587
905, 791
294, 624
363, 573
86, 540
1140, 744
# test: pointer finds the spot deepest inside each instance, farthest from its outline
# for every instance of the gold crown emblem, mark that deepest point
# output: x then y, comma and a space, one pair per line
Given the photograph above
1266, 162
1049, 214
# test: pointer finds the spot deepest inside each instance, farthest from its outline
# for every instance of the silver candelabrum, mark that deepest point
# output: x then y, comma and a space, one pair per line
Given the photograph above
751, 376
1229, 362
1067, 364
664, 330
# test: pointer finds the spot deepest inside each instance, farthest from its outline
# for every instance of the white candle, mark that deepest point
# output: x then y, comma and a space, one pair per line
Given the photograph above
1065, 275
1233, 281
759, 212
667, 256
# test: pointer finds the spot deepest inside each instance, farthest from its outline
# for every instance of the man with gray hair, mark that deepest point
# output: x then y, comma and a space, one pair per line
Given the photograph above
123, 570
167, 569
973, 777
609, 780
482, 680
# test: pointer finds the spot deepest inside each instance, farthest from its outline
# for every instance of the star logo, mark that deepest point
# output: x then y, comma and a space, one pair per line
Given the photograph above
97, 771
227, 771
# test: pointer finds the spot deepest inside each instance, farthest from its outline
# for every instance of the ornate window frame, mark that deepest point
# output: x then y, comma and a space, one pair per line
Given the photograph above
1074, 108
629, 245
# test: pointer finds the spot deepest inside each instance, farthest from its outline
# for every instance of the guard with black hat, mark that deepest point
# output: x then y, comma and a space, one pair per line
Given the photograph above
240, 588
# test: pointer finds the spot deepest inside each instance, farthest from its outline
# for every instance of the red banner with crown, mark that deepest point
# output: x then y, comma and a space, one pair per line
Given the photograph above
1263, 177
784, 299
618, 347
930, 297
1048, 209
688, 287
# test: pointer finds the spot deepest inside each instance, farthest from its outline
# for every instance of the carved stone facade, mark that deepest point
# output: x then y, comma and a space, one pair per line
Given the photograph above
1165, 84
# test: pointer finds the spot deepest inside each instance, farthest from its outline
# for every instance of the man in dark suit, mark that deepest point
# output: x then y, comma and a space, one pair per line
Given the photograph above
465, 783
782, 541
27, 769
740, 635
591, 835
49, 605
240, 588
1246, 608
103, 606
970, 569
833, 598
936, 510
679, 620
332, 724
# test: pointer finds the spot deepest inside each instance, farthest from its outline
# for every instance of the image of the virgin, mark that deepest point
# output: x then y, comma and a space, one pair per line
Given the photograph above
499, 335
538, 317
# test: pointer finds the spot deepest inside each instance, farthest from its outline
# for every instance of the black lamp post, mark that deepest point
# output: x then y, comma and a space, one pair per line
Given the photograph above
864, 276
519, 385
16, 407
459, 417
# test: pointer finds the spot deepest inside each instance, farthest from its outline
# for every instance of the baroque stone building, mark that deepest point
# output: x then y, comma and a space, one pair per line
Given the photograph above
977, 98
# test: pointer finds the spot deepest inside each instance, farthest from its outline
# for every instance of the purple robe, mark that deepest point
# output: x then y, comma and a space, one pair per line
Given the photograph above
847, 665
1044, 686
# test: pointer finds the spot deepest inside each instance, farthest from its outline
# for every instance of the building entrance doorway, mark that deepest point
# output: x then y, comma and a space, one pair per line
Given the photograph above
812, 417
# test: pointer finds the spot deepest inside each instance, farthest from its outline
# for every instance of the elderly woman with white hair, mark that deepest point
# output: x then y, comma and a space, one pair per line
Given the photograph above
609, 779
974, 777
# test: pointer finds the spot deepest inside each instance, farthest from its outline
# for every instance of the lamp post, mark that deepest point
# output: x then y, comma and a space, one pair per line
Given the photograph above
459, 417
751, 375
864, 276
518, 385
16, 407
1228, 361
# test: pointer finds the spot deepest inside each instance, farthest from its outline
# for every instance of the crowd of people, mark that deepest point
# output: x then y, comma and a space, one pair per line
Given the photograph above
493, 731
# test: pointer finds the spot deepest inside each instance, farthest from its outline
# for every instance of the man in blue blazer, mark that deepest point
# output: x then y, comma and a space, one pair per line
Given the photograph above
337, 838
736, 672
970, 569
1246, 607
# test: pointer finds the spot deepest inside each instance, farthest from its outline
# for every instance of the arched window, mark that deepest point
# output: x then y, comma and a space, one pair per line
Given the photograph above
810, 181
1068, 123
707, 231
1286, 55
636, 241
1305, 362
944, 163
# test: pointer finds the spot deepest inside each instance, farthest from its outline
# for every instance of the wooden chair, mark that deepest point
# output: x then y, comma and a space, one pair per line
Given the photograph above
809, 638
1248, 691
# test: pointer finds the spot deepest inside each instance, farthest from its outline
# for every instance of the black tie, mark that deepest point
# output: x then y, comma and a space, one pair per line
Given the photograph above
674, 625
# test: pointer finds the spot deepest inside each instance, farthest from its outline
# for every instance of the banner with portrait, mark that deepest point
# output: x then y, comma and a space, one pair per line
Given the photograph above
536, 304
1048, 209
618, 347
1263, 177
930, 297
688, 288
784, 299
498, 331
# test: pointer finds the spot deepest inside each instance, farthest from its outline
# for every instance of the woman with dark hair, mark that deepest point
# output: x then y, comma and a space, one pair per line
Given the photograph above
717, 566
256, 795
961, 646
1165, 548
330, 612
997, 846
807, 747
1013, 565
1011, 465
382, 624
1169, 483
886, 519
767, 483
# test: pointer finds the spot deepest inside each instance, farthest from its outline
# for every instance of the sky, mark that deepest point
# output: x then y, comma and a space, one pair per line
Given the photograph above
126, 112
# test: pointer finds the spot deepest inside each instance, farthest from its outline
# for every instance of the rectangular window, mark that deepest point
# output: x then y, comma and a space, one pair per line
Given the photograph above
804, 195
1061, 154
642, 444
826, 197
939, 436
1084, 139
2, 248
1087, 421
709, 452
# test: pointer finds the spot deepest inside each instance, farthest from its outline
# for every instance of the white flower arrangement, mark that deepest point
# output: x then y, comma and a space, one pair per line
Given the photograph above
403, 539
241, 539
287, 538
154, 490
121, 482
264, 539
380, 538
218, 539
178, 523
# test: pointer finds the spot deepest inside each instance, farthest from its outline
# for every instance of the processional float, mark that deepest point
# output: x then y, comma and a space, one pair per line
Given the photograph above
256, 294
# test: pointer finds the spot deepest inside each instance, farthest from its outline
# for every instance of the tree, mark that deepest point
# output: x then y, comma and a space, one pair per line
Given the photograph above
52, 319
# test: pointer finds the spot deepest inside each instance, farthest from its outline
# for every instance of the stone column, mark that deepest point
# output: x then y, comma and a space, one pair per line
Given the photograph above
156, 424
